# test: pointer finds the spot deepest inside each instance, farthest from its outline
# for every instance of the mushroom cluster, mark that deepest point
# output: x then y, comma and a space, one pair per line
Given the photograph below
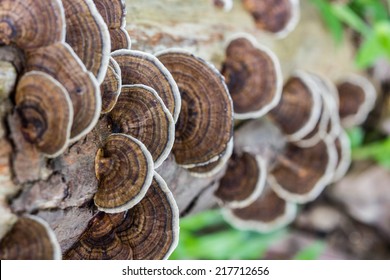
267, 177
78, 71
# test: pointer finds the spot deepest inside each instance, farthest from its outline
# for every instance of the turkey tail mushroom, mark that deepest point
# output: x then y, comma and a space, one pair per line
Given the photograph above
205, 126
253, 76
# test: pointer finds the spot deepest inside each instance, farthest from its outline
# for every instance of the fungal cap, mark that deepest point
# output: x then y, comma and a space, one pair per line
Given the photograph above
30, 238
206, 109
46, 112
302, 173
255, 93
124, 169
243, 181
142, 68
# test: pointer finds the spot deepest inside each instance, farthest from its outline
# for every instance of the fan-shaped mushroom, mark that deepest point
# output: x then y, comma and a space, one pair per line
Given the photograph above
302, 173
87, 34
46, 112
328, 125
299, 108
149, 230
279, 17
205, 125
114, 14
111, 86
253, 76
60, 62
243, 181
30, 238
143, 68
100, 242
268, 212
124, 169
357, 98
151, 227
141, 113
20, 24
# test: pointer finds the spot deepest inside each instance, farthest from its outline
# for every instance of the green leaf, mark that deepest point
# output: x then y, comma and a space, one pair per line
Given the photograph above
345, 14
370, 50
378, 151
331, 21
356, 136
311, 252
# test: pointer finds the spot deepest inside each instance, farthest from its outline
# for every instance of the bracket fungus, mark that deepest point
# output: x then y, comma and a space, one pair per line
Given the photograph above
205, 125
87, 34
46, 112
61, 62
141, 113
20, 24
267, 213
328, 124
114, 15
279, 17
243, 181
147, 231
30, 238
357, 98
110, 89
300, 91
124, 169
302, 173
253, 75
142, 68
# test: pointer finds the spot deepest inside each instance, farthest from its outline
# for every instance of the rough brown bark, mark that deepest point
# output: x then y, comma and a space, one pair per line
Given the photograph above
61, 190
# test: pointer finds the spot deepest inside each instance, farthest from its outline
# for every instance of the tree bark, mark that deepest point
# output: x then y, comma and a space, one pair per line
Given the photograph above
61, 190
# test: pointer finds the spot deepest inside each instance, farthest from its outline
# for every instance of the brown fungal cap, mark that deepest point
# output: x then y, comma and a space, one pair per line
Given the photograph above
46, 112
328, 125
143, 68
88, 35
100, 242
111, 86
243, 181
357, 98
268, 212
205, 124
124, 169
114, 15
30, 239
147, 231
60, 62
152, 226
141, 113
299, 108
31, 24
213, 168
302, 173
276, 16
253, 76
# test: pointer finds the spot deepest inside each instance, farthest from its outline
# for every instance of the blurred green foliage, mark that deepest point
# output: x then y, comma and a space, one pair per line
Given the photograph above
369, 18
207, 236
379, 150
311, 252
